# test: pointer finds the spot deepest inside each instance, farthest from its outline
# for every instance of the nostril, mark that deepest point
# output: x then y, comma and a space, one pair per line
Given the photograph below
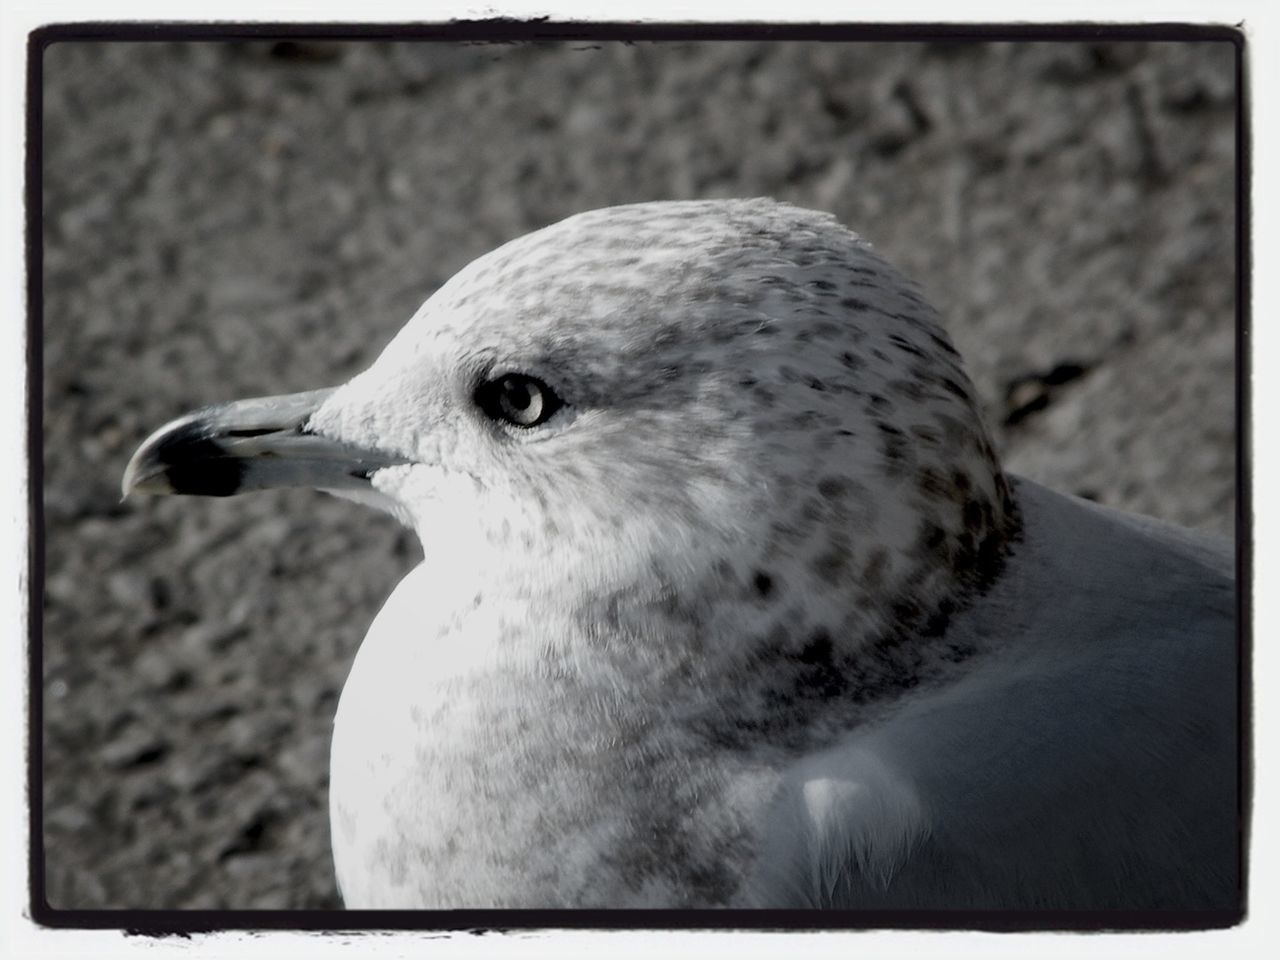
249, 432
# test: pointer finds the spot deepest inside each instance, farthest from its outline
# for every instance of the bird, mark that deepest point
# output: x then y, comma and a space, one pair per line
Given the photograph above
726, 600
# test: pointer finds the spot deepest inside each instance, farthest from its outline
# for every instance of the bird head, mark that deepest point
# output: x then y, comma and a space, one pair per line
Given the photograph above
720, 398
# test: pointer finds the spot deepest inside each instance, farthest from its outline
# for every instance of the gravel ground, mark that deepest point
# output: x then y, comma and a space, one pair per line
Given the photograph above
226, 220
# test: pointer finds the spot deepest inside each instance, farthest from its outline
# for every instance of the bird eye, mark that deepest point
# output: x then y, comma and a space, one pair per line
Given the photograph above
518, 400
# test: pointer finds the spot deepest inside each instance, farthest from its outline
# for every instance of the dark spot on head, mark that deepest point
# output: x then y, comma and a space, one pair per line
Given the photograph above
932, 541
906, 613
818, 649
889, 428
894, 454
833, 488
930, 483
938, 621
911, 389
932, 536
818, 676
942, 343
989, 553
850, 361
763, 583
979, 514
905, 346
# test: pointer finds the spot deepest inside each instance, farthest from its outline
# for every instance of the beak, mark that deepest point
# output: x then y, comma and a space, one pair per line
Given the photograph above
250, 445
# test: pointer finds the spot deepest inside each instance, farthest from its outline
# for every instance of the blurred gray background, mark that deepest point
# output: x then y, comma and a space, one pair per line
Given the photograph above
233, 219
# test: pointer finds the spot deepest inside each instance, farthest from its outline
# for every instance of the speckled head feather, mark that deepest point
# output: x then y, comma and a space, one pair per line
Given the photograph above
752, 399
767, 487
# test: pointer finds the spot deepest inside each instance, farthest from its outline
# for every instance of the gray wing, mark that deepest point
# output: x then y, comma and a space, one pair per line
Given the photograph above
1088, 762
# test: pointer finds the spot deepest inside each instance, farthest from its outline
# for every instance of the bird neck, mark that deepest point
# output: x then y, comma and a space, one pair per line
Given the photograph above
735, 669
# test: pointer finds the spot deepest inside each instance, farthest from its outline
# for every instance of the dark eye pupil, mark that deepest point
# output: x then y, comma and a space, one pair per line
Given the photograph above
518, 394
517, 399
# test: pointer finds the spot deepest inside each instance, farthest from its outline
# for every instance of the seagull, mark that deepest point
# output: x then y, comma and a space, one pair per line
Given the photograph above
726, 600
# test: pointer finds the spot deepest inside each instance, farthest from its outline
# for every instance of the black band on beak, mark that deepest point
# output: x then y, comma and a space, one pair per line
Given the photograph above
250, 445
